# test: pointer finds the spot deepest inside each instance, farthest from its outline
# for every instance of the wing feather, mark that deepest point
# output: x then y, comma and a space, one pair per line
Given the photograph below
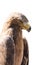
6, 50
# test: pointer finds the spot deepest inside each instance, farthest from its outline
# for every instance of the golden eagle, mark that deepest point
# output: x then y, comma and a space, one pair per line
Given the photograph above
13, 48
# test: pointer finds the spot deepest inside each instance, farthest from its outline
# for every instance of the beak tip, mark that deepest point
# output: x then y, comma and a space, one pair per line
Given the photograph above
29, 29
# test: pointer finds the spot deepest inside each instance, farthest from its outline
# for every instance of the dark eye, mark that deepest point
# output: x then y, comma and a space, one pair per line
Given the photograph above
21, 21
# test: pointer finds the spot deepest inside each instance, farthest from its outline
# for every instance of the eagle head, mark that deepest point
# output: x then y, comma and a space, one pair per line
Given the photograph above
19, 19
22, 20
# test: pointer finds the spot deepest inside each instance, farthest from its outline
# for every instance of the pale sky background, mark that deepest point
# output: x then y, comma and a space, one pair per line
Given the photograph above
33, 9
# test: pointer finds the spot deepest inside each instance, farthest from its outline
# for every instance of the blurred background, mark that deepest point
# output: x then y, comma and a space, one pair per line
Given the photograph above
33, 10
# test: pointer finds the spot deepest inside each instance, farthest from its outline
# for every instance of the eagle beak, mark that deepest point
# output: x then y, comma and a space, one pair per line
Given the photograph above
27, 27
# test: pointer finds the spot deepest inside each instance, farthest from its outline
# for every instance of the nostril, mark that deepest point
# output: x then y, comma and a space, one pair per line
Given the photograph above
29, 29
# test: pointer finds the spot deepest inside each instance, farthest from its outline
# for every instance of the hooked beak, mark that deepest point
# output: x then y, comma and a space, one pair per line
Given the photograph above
25, 26
29, 29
